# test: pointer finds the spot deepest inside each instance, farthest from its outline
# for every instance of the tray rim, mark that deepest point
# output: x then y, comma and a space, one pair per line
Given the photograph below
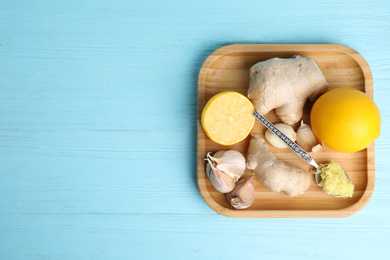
248, 213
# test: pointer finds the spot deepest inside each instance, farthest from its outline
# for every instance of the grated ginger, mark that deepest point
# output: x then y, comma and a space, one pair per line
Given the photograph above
334, 180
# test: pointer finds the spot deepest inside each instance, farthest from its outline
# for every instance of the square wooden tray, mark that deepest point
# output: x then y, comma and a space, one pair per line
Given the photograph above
227, 68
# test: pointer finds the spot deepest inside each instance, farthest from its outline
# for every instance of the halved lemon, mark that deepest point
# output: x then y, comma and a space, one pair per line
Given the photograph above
227, 118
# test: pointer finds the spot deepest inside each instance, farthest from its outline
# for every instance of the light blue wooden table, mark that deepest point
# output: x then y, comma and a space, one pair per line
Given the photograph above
98, 129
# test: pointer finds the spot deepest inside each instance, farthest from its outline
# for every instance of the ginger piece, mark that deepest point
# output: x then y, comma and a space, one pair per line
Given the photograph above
285, 84
276, 175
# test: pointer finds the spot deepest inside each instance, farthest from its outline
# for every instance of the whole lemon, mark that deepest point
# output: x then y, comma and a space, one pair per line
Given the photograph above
345, 120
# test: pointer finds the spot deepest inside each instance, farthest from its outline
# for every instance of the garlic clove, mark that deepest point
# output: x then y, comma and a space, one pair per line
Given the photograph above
316, 148
243, 195
231, 162
306, 138
275, 141
220, 180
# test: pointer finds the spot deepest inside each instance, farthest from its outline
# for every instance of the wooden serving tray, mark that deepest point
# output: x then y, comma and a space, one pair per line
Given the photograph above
227, 68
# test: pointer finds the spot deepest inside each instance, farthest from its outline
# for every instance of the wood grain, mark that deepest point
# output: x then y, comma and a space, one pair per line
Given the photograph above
98, 122
227, 68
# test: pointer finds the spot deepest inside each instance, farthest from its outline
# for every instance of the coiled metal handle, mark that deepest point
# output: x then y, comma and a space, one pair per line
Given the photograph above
290, 143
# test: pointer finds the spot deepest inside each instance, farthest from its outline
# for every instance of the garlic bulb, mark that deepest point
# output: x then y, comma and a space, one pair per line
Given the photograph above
220, 180
275, 141
306, 139
243, 194
230, 162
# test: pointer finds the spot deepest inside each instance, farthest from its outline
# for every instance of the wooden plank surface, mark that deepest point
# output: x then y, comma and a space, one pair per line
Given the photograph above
98, 123
227, 69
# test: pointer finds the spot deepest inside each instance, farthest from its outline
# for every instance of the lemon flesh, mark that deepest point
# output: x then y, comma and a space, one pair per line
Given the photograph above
227, 118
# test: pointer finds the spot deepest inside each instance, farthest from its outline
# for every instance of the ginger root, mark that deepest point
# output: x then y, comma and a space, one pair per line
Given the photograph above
285, 84
275, 175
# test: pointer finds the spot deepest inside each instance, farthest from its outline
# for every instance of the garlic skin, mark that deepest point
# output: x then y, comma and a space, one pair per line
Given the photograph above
243, 194
230, 162
220, 180
306, 139
275, 141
